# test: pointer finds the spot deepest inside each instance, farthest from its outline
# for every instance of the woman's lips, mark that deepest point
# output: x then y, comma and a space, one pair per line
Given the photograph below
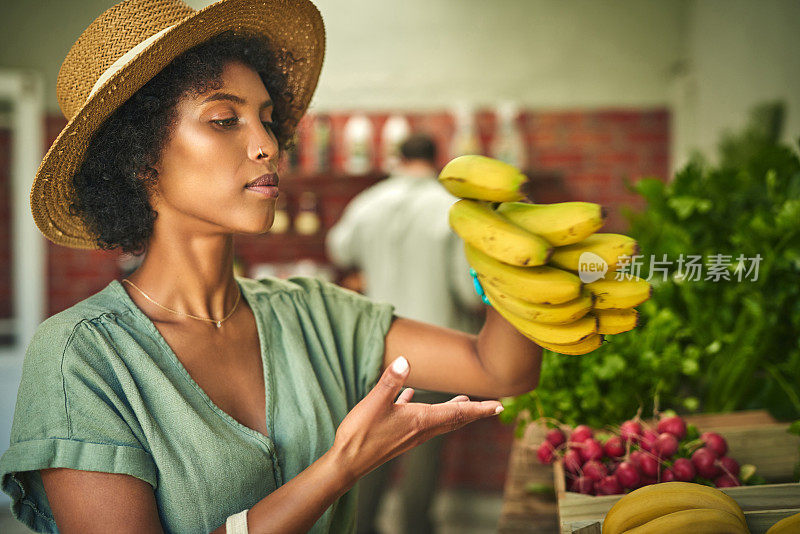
268, 191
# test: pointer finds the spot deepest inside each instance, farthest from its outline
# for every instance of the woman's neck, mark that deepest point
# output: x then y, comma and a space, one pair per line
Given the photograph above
193, 276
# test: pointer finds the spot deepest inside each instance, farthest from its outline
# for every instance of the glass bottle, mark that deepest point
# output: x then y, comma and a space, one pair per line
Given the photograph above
307, 222
465, 139
394, 132
508, 144
322, 140
281, 221
358, 134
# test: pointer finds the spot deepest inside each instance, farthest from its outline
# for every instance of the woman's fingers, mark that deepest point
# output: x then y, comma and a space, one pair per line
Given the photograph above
405, 396
459, 398
453, 415
390, 382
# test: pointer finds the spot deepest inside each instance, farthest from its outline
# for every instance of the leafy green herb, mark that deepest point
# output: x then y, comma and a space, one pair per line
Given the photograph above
703, 346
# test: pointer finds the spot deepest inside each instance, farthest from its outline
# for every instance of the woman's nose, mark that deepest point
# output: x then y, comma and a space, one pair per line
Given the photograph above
264, 144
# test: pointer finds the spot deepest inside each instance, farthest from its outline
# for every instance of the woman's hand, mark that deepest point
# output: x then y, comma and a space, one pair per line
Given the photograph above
379, 428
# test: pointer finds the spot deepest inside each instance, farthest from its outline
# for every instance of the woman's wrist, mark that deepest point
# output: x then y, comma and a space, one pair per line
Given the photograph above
341, 467
344, 463
297, 505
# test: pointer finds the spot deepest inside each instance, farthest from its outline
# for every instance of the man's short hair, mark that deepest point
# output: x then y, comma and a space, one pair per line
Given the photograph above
419, 146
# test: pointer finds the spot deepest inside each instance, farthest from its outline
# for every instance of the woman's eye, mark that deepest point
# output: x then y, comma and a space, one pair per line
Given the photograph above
226, 123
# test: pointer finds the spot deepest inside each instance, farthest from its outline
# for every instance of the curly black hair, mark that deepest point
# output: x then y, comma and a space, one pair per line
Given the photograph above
113, 182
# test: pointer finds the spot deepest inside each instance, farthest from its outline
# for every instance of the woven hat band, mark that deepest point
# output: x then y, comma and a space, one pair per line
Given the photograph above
124, 60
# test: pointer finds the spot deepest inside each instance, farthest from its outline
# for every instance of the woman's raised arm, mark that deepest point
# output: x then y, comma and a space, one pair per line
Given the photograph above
498, 362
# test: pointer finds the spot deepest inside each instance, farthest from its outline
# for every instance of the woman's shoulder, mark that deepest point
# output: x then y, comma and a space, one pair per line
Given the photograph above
309, 293
295, 286
54, 334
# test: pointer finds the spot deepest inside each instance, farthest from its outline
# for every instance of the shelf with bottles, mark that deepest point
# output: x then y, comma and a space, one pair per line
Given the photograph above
353, 143
309, 204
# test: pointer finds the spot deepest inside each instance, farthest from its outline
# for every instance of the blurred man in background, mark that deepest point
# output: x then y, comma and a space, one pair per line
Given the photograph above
396, 233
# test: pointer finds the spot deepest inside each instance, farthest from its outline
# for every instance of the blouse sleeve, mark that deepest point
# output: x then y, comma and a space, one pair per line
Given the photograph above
353, 331
70, 412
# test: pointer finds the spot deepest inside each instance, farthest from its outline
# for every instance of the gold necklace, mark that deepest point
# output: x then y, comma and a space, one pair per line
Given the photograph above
218, 323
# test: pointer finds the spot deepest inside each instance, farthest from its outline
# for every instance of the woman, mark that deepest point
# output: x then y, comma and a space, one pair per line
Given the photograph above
186, 399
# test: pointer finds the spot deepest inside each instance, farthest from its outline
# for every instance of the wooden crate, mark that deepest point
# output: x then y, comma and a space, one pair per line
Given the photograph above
753, 437
523, 512
763, 506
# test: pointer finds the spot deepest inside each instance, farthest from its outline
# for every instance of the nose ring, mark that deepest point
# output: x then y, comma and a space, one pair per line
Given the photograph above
260, 152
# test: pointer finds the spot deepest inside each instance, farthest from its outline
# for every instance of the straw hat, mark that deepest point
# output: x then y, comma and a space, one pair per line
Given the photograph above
127, 46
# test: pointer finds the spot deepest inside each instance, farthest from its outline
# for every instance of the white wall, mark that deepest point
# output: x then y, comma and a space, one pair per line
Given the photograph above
544, 53
741, 53
710, 60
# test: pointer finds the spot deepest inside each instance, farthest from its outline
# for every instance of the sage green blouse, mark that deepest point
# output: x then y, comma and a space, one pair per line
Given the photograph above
101, 390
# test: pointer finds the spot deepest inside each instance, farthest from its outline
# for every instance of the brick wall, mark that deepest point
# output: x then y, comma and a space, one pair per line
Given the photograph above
573, 155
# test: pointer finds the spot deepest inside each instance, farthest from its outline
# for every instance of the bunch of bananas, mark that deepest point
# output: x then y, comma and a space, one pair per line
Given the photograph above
675, 507
527, 256
787, 525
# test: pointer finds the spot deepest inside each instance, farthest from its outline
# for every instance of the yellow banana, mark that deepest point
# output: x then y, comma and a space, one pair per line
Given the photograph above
482, 178
541, 313
540, 285
496, 236
619, 294
609, 247
787, 525
563, 223
696, 521
566, 334
574, 349
616, 321
655, 500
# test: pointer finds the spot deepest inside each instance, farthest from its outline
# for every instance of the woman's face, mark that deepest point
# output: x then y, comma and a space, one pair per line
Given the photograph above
213, 154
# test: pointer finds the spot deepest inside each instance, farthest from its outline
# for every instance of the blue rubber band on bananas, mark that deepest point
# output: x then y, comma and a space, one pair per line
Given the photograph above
479, 287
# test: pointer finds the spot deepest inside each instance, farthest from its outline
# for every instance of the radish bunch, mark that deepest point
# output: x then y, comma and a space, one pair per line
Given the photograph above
635, 455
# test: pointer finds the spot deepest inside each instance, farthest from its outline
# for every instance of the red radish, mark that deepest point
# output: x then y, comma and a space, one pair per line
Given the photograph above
634, 458
581, 433
609, 485
646, 463
666, 445
546, 453
648, 439
591, 450
572, 461
715, 442
555, 437
630, 431
594, 470
614, 447
726, 481
627, 474
583, 485
667, 475
647, 481
674, 425
729, 464
684, 470
704, 461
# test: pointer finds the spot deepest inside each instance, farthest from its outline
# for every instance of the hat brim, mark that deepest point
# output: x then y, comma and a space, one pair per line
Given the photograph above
295, 27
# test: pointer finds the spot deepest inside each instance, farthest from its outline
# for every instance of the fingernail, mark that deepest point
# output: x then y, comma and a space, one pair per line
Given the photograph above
400, 365
499, 409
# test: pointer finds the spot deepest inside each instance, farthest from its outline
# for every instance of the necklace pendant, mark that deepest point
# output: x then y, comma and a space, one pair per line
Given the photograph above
219, 324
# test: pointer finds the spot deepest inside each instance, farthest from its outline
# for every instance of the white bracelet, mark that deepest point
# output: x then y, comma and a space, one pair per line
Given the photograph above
237, 523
